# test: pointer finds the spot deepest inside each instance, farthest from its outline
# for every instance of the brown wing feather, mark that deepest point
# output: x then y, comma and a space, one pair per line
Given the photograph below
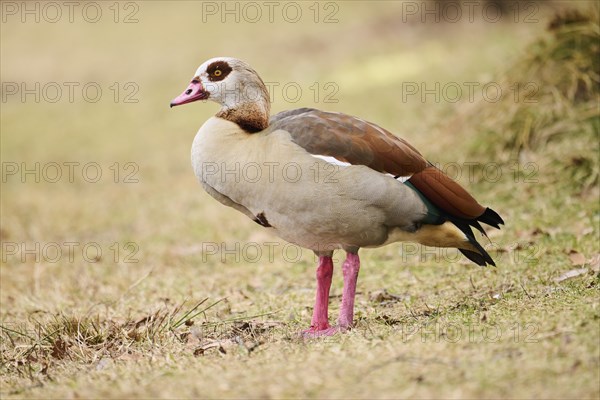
446, 194
350, 139
359, 142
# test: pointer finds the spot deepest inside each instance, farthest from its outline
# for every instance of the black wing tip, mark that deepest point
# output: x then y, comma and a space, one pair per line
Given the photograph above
477, 258
491, 218
484, 254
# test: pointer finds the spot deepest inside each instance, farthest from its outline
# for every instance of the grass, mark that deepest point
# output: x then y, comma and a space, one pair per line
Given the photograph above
172, 318
551, 100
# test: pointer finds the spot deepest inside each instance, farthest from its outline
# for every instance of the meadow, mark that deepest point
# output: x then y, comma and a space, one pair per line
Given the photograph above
121, 278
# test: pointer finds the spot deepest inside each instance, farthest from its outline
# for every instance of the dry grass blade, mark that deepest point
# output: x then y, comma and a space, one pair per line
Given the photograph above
184, 317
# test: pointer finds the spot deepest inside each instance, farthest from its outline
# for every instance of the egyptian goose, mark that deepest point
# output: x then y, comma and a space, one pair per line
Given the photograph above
324, 181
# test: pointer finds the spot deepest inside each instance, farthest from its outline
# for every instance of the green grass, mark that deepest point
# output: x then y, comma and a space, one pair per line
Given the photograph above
176, 321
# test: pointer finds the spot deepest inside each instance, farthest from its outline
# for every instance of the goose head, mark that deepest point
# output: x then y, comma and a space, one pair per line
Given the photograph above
235, 86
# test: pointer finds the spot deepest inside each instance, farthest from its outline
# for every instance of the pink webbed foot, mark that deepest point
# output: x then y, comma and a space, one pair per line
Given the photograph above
314, 332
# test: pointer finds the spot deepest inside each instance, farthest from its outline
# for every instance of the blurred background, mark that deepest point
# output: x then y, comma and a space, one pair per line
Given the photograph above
92, 154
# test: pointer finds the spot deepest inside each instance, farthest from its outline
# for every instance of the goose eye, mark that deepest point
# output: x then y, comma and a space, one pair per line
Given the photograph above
217, 73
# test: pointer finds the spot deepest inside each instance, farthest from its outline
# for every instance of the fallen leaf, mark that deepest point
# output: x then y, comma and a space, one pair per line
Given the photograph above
594, 263
59, 349
200, 350
576, 258
381, 296
537, 231
521, 246
571, 274
192, 339
221, 345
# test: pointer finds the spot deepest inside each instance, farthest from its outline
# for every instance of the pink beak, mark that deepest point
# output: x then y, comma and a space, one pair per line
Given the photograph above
195, 91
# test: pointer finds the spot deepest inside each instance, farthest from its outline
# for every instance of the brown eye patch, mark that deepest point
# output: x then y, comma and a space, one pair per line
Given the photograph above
218, 70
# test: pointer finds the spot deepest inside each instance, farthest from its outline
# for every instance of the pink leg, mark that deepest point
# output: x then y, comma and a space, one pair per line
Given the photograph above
350, 270
319, 325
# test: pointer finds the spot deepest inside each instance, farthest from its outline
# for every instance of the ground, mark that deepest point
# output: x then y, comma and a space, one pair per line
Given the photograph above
121, 278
